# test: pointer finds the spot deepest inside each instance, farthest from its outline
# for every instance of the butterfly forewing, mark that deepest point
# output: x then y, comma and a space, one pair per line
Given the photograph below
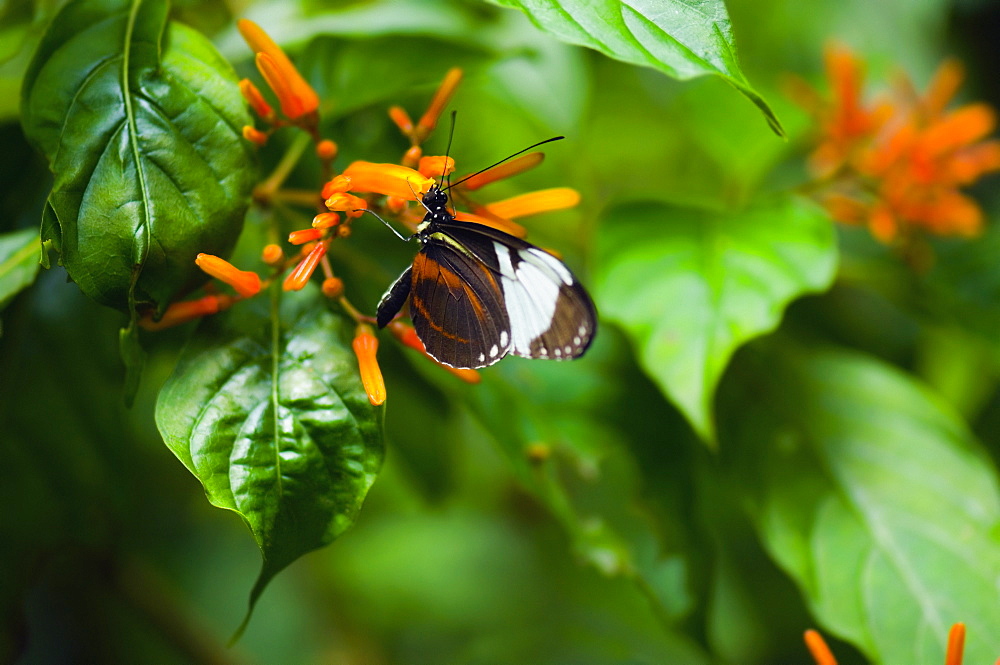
457, 307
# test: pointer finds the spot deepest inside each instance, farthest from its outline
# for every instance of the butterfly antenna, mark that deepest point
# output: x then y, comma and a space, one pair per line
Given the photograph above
447, 152
554, 138
398, 235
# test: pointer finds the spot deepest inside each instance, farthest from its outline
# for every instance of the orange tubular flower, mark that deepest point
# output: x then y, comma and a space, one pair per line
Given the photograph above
337, 185
365, 347
254, 135
256, 100
818, 648
388, 179
401, 118
444, 92
346, 203
505, 170
435, 166
182, 312
325, 220
296, 96
305, 235
533, 203
300, 275
245, 282
956, 645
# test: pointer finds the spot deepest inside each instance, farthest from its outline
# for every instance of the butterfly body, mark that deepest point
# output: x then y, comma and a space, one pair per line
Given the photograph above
478, 294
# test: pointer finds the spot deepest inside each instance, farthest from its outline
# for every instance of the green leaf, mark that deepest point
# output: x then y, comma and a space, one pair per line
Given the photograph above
691, 286
873, 496
267, 410
19, 252
141, 121
681, 38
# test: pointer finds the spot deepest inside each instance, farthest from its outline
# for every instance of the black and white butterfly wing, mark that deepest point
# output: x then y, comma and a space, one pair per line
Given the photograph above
457, 307
550, 313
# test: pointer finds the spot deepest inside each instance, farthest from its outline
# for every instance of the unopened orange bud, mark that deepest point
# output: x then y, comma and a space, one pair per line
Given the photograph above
396, 205
344, 202
272, 254
401, 119
818, 648
533, 203
296, 96
344, 231
388, 179
365, 346
333, 287
506, 170
256, 100
326, 150
254, 135
303, 236
300, 275
444, 92
337, 185
325, 220
245, 282
182, 312
956, 645
411, 158
434, 166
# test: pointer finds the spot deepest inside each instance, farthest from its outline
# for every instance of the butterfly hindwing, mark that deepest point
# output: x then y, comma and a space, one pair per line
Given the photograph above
457, 307
551, 315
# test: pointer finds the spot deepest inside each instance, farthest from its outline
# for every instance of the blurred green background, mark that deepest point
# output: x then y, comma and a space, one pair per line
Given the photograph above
627, 542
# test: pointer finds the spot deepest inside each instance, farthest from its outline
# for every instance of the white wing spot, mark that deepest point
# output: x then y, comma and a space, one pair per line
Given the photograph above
482, 357
494, 351
569, 350
504, 339
558, 352
582, 331
576, 340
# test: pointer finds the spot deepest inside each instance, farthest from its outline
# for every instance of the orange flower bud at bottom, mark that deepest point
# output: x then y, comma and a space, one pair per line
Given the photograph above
365, 346
254, 135
326, 150
817, 647
956, 645
272, 254
333, 287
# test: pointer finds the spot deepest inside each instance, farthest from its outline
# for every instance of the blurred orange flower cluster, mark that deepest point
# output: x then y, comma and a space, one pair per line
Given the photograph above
388, 190
897, 164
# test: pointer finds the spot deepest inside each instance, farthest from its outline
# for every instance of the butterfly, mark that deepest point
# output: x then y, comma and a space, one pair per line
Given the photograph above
478, 294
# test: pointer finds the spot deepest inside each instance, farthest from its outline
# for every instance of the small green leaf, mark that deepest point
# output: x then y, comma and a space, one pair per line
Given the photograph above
873, 496
141, 121
691, 286
18, 262
267, 410
681, 38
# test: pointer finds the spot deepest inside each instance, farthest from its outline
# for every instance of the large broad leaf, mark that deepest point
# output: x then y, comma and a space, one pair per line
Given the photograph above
267, 410
18, 262
682, 38
141, 121
874, 497
691, 286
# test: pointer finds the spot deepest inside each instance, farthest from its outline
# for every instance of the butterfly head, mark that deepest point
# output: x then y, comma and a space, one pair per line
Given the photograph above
436, 200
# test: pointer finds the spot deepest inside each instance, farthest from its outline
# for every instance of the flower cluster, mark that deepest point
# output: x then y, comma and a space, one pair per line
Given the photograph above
897, 164
953, 655
388, 190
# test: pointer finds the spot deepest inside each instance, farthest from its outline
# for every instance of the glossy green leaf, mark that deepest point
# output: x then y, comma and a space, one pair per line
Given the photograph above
691, 286
141, 121
19, 251
681, 38
267, 410
874, 497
